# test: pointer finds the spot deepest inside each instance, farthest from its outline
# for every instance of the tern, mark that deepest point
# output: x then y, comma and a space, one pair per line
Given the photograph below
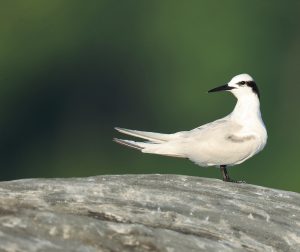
225, 142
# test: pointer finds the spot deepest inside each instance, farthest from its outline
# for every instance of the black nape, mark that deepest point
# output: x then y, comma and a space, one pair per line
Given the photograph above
254, 87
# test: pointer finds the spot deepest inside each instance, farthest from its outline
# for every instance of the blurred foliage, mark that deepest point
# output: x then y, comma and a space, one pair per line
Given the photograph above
72, 70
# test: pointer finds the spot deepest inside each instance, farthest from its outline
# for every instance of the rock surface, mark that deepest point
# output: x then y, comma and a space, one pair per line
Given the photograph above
146, 213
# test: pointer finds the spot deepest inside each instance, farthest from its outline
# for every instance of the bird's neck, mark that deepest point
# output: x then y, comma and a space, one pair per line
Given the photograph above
247, 108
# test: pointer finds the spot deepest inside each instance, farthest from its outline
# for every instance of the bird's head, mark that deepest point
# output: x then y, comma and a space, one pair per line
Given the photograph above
240, 85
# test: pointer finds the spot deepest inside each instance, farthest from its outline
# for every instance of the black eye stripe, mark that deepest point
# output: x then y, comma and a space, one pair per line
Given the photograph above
254, 87
250, 84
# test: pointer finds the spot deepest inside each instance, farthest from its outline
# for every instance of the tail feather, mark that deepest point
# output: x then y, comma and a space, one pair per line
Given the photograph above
158, 143
151, 148
151, 136
128, 143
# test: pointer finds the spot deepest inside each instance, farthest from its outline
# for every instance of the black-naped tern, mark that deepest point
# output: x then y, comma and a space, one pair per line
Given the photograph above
225, 142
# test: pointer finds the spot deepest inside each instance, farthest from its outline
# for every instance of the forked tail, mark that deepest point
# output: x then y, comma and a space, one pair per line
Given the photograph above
158, 143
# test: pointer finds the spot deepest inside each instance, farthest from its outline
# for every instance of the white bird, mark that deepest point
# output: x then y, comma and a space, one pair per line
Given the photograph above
225, 142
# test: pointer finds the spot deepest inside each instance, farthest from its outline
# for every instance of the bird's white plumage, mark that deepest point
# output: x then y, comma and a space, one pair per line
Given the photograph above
227, 141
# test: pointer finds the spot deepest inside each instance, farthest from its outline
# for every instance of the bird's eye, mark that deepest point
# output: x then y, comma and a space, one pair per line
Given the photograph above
242, 82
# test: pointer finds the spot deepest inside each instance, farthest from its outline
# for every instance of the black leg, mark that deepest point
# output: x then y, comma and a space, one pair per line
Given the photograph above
226, 176
224, 173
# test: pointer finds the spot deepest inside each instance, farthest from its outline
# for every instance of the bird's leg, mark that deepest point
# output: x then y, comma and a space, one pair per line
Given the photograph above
224, 173
226, 176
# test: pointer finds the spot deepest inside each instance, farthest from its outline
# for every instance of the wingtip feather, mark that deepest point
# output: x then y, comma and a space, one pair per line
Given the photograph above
121, 130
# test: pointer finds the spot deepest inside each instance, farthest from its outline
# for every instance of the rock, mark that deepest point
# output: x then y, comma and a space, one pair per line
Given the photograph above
146, 213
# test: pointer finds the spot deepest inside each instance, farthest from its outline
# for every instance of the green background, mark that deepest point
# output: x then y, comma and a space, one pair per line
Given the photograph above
72, 70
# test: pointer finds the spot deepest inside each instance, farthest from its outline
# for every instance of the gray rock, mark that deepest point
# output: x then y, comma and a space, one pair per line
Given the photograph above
146, 213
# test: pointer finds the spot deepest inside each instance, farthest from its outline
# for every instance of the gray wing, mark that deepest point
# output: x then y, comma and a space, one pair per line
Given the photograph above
218, 143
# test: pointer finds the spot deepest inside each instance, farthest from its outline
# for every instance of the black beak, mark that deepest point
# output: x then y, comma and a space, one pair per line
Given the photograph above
221, 88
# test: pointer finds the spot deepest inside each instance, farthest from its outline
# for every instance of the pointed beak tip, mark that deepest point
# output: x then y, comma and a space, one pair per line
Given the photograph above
220, 88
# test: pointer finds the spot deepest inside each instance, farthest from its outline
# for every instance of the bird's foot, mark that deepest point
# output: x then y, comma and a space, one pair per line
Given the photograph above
234, 181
